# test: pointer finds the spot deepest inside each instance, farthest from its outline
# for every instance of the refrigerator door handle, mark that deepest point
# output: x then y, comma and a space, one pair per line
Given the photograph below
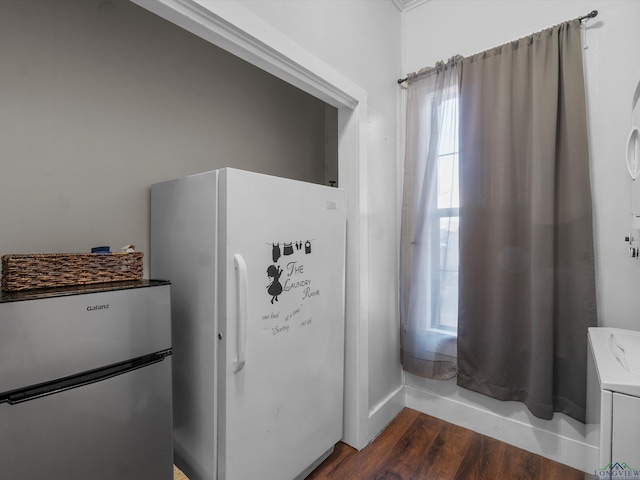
242, 287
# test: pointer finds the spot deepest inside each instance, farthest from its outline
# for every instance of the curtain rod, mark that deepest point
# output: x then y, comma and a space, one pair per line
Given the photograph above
591, 14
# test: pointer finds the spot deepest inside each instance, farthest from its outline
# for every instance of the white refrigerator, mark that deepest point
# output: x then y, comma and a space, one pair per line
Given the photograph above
257, 265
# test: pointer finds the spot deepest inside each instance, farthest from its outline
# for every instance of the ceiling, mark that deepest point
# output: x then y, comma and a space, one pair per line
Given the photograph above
404, 5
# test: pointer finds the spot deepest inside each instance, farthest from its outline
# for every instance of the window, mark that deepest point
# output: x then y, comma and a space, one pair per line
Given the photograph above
444, 274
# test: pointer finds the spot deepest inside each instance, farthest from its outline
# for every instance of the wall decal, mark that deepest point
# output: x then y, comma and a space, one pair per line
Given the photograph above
275, 252
291, 274
275, 287
296, 277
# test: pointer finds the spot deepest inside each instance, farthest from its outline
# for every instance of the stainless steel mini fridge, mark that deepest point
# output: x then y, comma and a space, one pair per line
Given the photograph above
85, 383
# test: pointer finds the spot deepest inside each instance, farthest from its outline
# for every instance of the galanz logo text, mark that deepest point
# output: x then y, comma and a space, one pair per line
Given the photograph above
97, 307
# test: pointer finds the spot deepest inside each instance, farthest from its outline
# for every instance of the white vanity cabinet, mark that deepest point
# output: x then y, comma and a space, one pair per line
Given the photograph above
625, 435
613, 403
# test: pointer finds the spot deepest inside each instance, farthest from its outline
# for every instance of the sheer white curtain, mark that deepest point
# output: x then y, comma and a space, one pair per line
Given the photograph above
429, 231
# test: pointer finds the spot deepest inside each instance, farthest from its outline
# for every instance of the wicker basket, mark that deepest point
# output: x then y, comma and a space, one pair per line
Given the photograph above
27, 272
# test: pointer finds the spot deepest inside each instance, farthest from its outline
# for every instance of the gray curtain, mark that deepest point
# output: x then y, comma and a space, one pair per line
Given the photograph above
526, 285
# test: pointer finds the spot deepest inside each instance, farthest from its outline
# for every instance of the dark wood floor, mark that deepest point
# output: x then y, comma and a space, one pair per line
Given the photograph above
419, 447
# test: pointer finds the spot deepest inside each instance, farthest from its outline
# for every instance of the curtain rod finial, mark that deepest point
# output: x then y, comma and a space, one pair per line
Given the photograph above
592, 14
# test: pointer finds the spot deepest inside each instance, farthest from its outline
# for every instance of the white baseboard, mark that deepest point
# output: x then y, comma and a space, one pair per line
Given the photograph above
382, 414
561, 439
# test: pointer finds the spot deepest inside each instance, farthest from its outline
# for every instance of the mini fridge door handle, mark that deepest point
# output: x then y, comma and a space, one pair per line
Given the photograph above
34, 392
241, 326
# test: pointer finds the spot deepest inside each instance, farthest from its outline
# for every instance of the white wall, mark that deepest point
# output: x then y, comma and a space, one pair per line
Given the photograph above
100, 99
440, 29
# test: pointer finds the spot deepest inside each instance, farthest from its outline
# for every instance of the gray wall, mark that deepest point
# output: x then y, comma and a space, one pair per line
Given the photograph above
100, 99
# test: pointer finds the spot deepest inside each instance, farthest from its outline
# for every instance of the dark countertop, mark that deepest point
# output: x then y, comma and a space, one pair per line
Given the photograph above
40, 293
